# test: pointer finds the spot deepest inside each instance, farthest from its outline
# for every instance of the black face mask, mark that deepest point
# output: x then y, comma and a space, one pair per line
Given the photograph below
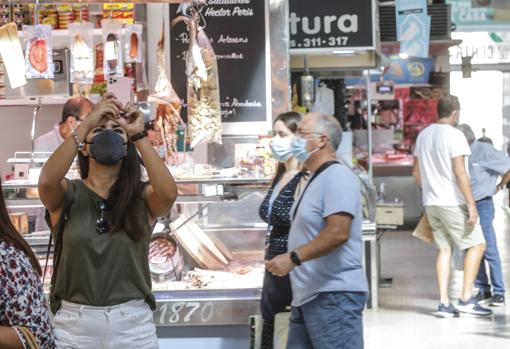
108, 148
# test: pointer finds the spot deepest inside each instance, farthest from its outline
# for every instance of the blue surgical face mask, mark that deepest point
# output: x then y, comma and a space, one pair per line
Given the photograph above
298, 148
280, 148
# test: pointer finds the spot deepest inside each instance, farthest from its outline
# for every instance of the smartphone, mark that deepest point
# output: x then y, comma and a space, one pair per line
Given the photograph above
121, 88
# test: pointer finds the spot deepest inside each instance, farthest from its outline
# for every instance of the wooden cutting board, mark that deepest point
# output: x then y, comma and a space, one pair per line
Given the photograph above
198, 245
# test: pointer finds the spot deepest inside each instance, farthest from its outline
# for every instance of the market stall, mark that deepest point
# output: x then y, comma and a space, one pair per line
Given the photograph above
209, 80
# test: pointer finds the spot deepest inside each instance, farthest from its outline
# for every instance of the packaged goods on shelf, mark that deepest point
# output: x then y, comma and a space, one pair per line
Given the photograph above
21, 14
82, 54
133, 40
123, 12
38, 51
99, 71
112, 54
65, 16
48, 15
5, 12
81, 13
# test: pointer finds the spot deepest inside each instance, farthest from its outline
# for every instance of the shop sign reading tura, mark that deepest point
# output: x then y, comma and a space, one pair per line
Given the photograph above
326, 26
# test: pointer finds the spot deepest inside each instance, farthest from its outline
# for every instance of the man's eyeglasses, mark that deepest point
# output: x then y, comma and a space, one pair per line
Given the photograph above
301, 133
102, 225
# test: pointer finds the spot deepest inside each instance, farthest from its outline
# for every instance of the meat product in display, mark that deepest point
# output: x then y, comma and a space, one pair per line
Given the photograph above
39, 56
82, 56
168, 113
133, 52
163, 90
99, 71
12, 55
165, 261
112, 55
204, 112
166, 132
161, 251
113, 47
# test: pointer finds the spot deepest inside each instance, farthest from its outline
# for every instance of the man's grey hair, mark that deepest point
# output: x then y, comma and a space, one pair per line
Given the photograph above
328, 125
468, 132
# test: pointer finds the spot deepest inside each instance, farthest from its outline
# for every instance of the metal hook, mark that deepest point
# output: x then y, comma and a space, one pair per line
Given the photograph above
202, 19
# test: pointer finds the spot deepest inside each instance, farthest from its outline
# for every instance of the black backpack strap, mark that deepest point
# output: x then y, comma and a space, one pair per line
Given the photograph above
315, 175
58, 231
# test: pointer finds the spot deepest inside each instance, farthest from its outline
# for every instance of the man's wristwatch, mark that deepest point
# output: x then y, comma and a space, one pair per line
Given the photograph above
295, 258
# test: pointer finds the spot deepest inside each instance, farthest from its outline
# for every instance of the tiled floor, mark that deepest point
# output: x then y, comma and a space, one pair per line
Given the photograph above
405, 317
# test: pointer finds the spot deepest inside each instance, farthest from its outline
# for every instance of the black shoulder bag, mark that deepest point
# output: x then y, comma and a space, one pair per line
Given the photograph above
321, 169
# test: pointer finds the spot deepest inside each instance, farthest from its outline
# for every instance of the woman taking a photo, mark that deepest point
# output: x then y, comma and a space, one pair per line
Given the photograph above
24, 314
275, 211
102, 290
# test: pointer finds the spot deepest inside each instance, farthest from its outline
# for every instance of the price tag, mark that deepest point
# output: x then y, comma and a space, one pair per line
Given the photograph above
210, 190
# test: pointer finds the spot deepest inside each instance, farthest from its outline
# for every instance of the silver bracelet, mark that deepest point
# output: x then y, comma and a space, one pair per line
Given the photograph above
79, 145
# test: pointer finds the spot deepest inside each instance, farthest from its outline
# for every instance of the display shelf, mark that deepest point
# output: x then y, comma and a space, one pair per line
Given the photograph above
435, 46
181, 199
179, 303
65, 32
42, 2
57, 100
22, 184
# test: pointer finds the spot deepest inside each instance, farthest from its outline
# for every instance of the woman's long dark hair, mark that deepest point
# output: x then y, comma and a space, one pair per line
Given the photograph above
9, 234
122, 201
291, 119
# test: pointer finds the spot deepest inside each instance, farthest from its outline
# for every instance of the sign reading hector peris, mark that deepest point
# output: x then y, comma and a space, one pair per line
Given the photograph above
328, 25
236, 29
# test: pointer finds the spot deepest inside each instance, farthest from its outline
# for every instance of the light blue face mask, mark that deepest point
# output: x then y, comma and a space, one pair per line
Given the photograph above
298, 148
280, 148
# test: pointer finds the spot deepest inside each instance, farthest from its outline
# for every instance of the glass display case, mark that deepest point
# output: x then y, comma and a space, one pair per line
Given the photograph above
206, 257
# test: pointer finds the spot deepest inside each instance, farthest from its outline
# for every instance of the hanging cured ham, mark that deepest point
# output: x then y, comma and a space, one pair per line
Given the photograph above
168, 112
203, 97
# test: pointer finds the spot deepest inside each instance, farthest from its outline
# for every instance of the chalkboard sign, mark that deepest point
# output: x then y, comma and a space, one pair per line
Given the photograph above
237, 31
329, 25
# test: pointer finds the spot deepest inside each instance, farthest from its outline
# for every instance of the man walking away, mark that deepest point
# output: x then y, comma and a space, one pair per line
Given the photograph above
440, 170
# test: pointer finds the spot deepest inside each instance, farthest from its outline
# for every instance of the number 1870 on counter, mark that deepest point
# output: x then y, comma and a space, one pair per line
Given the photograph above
332, 41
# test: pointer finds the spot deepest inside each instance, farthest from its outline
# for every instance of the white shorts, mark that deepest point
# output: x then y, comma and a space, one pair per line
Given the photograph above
127, 325
449, 227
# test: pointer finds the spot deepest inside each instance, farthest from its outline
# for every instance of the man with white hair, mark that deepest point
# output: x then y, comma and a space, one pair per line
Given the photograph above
486, 164
325, 240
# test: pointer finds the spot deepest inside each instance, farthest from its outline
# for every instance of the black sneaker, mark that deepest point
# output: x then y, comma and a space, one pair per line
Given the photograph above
444, 311
482, 296
497, 300
473, 308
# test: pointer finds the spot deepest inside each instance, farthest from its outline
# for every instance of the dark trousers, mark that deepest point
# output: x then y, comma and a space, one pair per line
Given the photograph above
276, 296
486, 211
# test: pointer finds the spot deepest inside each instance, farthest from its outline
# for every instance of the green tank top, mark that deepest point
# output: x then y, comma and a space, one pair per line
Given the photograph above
101, 269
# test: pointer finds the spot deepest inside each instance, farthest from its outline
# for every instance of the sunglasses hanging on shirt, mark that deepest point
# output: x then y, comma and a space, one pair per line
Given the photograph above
102, 225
